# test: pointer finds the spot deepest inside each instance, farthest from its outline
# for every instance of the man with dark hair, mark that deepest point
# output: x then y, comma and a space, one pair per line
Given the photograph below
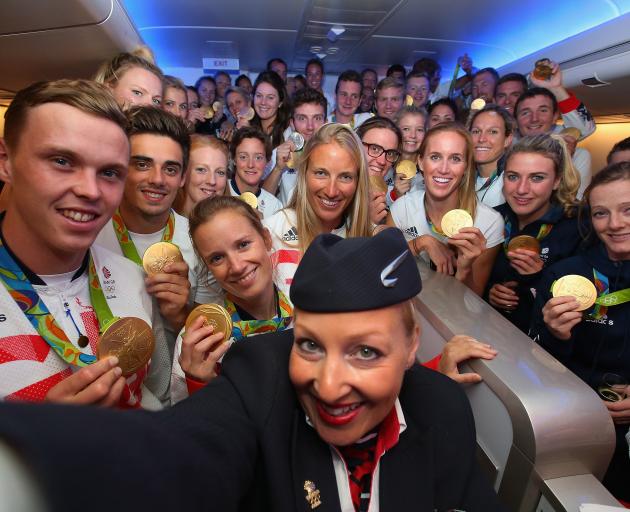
620, 152
484, 83
509, 89
348, 98
389, 97
309, 114
369, 78
398, 72
433, 70
159, 154
65, 155
279, 66
367, 100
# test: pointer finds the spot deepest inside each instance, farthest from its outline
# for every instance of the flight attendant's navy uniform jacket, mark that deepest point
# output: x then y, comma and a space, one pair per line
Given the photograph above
561, 242
597, 346
242, 443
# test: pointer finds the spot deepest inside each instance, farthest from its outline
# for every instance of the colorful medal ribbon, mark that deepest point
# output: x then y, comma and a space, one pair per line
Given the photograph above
543, 231
126, 243
244, 328
605, 299
489, 180
30, 303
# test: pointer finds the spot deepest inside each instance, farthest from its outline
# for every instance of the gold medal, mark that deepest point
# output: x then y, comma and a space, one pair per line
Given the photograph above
409, 100
248, 115
578, 287
215, 316
455, 220
407, 168
524, 242
298, 140
572, 132
478, 104
250, 199
377, 183
217, 105
543, 69
131, 340
158, 255
209, 113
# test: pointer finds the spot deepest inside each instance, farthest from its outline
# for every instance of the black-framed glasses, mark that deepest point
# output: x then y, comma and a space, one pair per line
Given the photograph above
374, 150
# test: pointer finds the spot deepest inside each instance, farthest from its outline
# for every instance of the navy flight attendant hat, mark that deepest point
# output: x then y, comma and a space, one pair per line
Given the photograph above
355, 274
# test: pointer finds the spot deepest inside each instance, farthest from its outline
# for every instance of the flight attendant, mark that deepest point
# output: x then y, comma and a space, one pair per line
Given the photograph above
539, 184
449, 177
332, 416
594, 341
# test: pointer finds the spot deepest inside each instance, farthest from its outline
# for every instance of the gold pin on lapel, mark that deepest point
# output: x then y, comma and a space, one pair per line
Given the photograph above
312, 494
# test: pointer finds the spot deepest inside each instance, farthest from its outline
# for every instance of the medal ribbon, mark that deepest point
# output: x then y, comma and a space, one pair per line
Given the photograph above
126, 243
543, 231
488, 181
35, 310
605, 299
244, 328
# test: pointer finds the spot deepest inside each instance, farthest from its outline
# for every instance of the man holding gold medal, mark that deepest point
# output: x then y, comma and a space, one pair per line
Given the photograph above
148, 232
66, 304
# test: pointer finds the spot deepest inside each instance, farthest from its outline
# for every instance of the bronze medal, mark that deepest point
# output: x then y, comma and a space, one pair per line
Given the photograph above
578, 287
377, 183
83, 341
406, 168
158, 255
524, 242
455, 220
250, 199
215, 316
131, 340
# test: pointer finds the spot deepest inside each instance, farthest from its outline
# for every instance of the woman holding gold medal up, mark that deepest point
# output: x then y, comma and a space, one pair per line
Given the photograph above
438, 221
540, 217
582, 310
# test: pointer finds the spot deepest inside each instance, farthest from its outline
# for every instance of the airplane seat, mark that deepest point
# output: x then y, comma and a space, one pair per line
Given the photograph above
544, 437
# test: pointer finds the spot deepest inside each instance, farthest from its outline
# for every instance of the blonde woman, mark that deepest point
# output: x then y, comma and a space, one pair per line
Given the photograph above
331, 196
446, 159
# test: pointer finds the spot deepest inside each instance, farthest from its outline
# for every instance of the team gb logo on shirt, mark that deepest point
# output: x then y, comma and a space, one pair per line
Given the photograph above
109, 285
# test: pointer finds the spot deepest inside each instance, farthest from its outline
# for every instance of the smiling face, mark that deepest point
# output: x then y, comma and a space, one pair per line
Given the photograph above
418, 88
389, 101
67, 174
444, 164
535, 115
137, 86
508, 93
175, 102
412, 128
347, 369
236, 103
236, 254
348, 97
367, 99
610, 215
440, 115
266, 101
331, 182
489, 139
206, 175
223, 82
386, 139
314, 76
250, 161
207, 92
528, 184
483, 86
369, 79
155, 175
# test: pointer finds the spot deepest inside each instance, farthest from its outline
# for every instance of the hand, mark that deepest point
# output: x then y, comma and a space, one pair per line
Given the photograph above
459, 349
503, 296
525, 262
171, 289
378, 207
226, 131
198, 359
100, 383
466, 63
470, 243
560, 315
218, 114
241, 122
571, 143
555, 80
196, 115
401, 185
283, 154
619, 411
440, 254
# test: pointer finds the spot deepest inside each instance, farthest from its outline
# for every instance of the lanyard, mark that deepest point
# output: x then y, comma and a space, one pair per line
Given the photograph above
243, 328
126, 243
543, 231
606, 299
30, 303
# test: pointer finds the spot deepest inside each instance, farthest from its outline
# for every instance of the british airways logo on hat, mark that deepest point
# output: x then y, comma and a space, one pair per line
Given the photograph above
391, 267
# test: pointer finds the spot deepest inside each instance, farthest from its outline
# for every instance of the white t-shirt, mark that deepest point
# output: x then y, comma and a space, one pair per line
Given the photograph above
357, 119
285, 249
409, 215
492, 195
268, 204
31, 367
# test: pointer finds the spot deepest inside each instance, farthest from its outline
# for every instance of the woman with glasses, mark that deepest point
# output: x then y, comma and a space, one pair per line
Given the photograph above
331, 196
250, 153
446, 159
381, 142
